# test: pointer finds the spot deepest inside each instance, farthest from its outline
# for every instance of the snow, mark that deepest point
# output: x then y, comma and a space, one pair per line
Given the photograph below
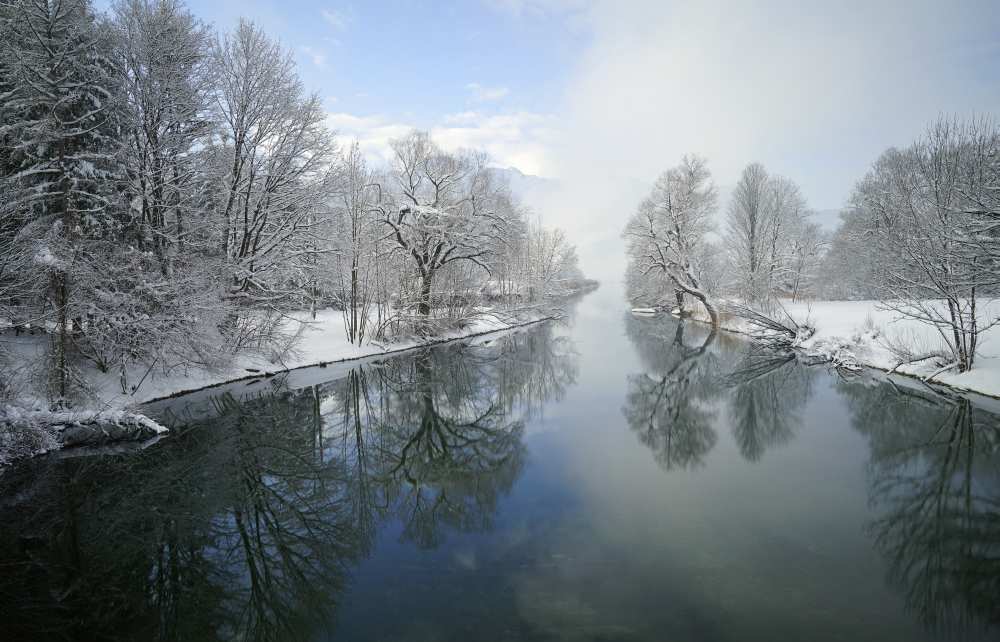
323, 340
14, 415
45, 258
34, 430
29, 428
859, 333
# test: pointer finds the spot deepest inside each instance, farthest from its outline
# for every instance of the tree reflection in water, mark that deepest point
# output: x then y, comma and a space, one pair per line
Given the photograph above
668, 406
769, 391
673, 406
246, 525
934, 475
935, 485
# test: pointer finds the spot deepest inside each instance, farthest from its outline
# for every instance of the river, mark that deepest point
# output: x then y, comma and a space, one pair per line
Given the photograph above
603, 478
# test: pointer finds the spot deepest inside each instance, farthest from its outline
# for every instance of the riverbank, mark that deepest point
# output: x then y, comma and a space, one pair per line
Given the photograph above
863, 334
28, 428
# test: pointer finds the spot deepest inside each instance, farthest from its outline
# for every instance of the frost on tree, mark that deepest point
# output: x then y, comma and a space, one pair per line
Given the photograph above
174, 199
272, 160
932, 226
667, 233
772, 245
59, 116
448, 208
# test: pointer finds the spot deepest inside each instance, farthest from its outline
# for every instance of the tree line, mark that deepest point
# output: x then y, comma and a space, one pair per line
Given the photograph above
170, 195
921, 234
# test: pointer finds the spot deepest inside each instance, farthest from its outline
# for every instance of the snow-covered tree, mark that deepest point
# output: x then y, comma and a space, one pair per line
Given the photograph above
928, 230
747, 225
807, 246
447, 208
278, 159
551, 262
169, 198
666, 235
272, 163
848, 264
766, 235
361, 268
164, 56
59, 114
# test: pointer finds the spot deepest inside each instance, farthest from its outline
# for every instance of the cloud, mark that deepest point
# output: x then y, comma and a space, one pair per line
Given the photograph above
316, 56
481, 94
373, 133
336, 19
519, 139
815, 92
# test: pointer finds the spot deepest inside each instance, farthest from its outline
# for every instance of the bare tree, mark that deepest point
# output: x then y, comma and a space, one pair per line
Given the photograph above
807, 246
359, 248
784, 221
274, 161
848, 265
746, 230
449, 208
765, 224
926, 226
666, 234
164, 56
552, 264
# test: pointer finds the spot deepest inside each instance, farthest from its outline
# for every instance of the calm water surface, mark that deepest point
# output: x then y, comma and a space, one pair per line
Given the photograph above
609, 478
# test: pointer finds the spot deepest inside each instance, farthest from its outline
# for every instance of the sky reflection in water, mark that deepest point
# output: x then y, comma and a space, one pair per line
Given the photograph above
609, 478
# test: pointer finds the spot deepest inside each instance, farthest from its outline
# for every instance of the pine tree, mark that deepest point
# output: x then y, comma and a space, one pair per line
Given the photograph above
59, 116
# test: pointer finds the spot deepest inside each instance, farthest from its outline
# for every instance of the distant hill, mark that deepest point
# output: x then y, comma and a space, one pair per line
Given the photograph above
533, 190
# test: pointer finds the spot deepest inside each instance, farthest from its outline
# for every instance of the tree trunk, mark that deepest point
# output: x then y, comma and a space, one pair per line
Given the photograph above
712, 312
679, 295
355, 338
960, 350
62, 346
426, 282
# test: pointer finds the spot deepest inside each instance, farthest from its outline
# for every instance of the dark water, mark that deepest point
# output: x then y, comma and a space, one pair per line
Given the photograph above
610, 478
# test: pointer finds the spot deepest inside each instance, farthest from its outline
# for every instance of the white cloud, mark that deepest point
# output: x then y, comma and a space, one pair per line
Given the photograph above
519, 139
513, 140
813, 91
316, 56
373, 133
336, 19
481, 94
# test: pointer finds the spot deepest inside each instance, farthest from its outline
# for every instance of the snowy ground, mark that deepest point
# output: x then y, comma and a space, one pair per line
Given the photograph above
862, 331
323, 340
30, 428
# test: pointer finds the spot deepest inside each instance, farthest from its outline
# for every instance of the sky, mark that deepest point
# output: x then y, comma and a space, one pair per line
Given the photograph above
600, 96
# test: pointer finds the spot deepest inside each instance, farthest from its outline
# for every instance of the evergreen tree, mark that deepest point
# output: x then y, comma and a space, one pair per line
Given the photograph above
59, 117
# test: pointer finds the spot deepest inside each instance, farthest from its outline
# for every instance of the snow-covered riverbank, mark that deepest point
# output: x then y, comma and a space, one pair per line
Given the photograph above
864, 333
28, 428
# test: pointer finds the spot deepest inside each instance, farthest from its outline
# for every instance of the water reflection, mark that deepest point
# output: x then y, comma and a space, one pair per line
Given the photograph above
935, 484
247, 524
668, 405
933, 477
691, 378
414, 498
768, 393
